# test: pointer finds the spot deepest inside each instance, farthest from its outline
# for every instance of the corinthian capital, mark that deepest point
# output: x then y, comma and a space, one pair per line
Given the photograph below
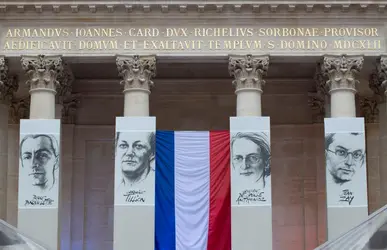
341, 71
321, 81
70, 106
3, 69
378, 79
65, 84
370, 109
42, 71
137, 71
8, 85
248, 71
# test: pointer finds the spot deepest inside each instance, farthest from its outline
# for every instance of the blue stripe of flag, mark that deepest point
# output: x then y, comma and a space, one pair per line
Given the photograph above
165, 232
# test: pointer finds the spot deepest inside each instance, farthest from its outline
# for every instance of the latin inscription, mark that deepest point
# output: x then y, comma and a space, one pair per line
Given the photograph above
193, 39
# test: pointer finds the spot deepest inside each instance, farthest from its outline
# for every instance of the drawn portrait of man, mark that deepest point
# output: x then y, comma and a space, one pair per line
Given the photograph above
345, 165
135, 153
250, 159
39, 156
345, 155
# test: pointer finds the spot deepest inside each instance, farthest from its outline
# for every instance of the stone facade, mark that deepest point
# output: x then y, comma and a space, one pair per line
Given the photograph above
297, 163
193, 90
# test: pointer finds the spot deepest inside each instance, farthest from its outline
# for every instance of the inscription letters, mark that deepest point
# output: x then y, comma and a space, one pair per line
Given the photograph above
178, 39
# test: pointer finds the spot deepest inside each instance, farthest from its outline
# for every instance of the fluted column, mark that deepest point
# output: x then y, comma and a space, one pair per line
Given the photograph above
42, 72
248, 72
137, 73
8, 86
341, 72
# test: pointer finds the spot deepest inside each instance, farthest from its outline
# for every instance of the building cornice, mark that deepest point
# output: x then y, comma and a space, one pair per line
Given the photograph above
188, 6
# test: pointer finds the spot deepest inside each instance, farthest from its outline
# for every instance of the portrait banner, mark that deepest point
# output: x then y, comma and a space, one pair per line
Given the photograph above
251, 208
250, 162
346, 174
39, 163
135, 144
345, 160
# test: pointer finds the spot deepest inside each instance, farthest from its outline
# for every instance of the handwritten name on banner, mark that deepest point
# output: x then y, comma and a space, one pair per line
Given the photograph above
135, 196
193, 39
251, 196
39, 201
347, 196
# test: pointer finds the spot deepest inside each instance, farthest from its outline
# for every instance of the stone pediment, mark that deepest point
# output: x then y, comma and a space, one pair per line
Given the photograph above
188, 6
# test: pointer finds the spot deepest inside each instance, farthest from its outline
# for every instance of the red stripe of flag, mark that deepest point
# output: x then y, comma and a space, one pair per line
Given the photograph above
219, 230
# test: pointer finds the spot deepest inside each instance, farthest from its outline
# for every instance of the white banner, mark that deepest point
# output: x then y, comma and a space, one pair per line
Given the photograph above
345, 158
250, 161
135, 144
39, 163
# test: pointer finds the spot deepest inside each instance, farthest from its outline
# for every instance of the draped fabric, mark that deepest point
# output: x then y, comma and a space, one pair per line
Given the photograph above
192, 204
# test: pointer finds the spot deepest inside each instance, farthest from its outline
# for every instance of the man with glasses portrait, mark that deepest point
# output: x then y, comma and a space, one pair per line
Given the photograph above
345, 165
345, 153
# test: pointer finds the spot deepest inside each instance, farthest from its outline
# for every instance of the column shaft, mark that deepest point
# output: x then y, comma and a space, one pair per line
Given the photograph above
249, 102
343, 103
136, 102
41, 106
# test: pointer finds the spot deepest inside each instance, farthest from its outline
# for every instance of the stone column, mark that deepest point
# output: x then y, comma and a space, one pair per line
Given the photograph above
345, 148
134, 220
8, 86
40, 176
248, 72
137, 73
42, 72
341, 72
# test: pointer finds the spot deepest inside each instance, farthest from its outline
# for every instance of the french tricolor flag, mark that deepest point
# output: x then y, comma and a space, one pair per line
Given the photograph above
192, 203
